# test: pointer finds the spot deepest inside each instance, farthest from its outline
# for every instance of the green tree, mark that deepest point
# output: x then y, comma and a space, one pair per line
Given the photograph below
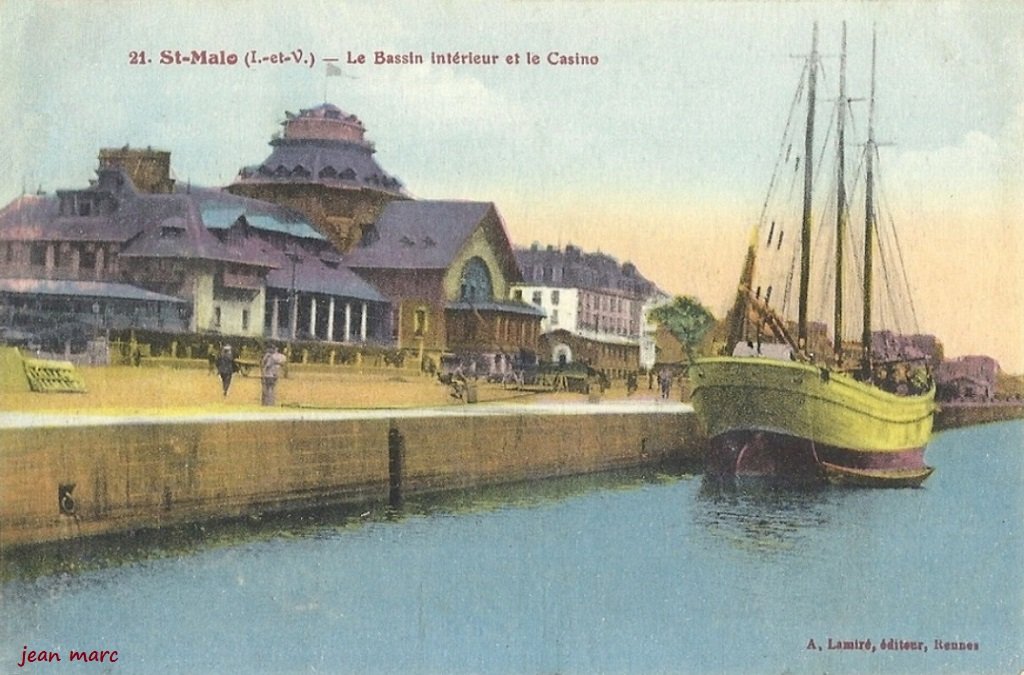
686, 318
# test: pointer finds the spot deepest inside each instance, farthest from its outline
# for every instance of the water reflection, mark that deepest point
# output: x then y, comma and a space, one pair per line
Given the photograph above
75, 556
763, 516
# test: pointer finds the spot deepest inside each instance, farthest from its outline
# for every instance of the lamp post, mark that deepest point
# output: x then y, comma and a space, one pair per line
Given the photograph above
293, 297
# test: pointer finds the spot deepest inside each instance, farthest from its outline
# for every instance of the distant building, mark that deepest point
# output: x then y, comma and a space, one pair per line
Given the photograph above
889, 346
447, 268
323, 167
967, 378
590, 297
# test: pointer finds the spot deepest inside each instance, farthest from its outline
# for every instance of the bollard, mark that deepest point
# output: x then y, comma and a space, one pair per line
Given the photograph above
396, 460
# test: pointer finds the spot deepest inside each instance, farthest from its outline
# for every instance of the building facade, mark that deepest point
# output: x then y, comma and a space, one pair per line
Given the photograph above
593, 306
177, 259
967, 378
447, 268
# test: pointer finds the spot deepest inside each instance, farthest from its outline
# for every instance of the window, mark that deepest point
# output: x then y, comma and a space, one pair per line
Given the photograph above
537, 297
245, 319
216, 317
554, 317
87, 260
475, 284
37, 254
420, 322
517, 294
554, 297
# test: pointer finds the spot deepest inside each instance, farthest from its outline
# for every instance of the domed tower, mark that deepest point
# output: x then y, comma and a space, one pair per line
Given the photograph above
323, 166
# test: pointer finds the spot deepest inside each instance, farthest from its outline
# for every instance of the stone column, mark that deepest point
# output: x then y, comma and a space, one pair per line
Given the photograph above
348, 321
330, 320
275, 311
362, 325
312, 317
295, 316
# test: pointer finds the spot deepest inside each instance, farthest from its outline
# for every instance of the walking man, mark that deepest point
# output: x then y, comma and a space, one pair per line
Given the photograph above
665, 382
270, 368
226, 367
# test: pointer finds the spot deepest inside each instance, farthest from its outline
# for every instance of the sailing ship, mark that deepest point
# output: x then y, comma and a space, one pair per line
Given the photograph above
798, 405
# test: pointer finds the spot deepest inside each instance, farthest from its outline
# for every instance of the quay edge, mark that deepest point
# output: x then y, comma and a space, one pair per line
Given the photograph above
957, 415
73, 477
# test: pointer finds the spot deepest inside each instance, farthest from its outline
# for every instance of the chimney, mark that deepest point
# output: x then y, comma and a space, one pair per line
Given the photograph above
149, 169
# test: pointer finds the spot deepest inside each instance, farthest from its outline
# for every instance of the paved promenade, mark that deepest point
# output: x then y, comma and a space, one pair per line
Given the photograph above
53, 419
158, 395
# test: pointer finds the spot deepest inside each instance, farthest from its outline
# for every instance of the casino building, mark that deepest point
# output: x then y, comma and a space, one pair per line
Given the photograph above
135, 250
317, 243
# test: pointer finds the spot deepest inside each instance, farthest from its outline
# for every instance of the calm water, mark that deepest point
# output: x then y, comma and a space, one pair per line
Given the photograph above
620, 573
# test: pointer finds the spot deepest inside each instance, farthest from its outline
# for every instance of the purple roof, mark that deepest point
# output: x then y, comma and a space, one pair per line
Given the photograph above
177, 225
328, 162
37, 218
579, 269
313, 275
505, 306
425, 234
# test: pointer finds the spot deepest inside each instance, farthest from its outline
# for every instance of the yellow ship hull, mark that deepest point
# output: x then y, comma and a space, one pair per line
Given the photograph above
764, 414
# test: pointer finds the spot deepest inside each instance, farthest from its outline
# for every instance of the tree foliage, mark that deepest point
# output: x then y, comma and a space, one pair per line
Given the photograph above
686, 318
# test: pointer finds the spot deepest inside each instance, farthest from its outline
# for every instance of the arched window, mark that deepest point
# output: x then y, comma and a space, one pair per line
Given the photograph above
475, 284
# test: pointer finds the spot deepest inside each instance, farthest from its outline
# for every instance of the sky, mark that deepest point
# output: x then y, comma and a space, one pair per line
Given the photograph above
660, 153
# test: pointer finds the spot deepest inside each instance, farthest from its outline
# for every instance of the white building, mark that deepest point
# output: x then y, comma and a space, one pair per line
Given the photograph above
589, 295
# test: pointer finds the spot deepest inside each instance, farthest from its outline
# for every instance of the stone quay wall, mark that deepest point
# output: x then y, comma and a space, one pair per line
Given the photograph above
956, 415
89, 477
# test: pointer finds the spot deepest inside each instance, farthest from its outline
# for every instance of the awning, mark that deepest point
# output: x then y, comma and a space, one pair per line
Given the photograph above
504, 307
83, 289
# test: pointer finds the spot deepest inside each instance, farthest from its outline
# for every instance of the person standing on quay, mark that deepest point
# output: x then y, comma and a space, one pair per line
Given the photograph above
270, 368
665, 383
226, 367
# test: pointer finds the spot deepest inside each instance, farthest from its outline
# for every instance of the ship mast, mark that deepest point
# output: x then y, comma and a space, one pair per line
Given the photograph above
805, 230
841, 211
869, 221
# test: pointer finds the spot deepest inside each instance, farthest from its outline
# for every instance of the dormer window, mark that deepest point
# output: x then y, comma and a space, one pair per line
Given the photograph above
370, 235
80, 204
172, 228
